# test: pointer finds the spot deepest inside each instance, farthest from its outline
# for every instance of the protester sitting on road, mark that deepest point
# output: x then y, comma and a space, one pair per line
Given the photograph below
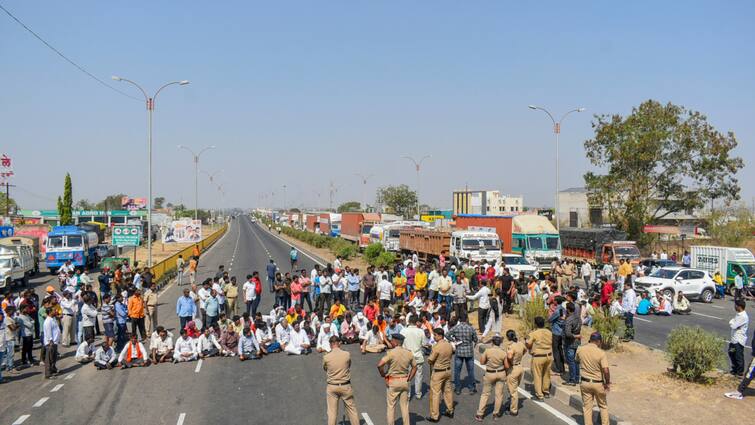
374, 341
323, 337
248, 346
85, 351
681, 304
229, 341
299, 342
161, 346
207, 344
265, 339
665, 306
105, 357
185, 349
645, 306
133, 354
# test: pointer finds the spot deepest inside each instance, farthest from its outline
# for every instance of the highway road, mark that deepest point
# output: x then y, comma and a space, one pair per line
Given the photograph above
278, 389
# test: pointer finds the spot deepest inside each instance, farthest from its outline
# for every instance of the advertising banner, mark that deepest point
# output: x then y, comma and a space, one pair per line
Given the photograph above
133, 203
183, 231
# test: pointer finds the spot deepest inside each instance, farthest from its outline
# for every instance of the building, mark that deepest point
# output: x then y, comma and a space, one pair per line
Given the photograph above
574, 209
486, 202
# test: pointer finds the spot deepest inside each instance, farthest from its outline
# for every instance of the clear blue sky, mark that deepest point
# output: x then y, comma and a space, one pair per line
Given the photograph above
301, 93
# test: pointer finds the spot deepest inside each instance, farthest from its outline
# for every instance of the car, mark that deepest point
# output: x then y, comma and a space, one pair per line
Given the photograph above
649, 264
693, 283
518, 265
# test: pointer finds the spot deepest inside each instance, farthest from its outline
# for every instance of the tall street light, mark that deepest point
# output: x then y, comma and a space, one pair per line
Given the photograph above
284, 197
364, 179
150, 101
417, 165
556, 131
196, 175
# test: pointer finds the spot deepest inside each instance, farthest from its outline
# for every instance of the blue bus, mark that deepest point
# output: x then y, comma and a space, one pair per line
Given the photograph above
72, 243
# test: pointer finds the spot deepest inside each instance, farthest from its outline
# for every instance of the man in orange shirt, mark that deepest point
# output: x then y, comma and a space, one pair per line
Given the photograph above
337, 309
136, 313
193, 263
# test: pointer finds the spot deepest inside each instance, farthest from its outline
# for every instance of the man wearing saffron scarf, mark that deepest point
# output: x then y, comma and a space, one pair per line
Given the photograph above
133, 354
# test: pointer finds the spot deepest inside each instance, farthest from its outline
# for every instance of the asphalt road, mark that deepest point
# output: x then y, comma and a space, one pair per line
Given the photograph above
278, 389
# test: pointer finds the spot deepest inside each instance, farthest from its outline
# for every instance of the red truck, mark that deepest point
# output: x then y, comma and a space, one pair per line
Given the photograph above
356, 226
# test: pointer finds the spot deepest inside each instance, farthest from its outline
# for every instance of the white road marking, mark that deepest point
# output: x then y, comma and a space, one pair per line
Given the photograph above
69, 376
199, 366
21, 419
717, 306
642, 320
367, 419
299, 249
41, 401
706, 315
545, 406
56, 388
181, 418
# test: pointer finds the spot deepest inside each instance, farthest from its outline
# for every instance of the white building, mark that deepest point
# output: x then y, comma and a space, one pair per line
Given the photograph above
486, 202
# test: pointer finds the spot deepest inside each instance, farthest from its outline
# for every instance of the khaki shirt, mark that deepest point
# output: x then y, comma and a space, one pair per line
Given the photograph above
542, 340
517, 349
400, 361
150, 299
440, 357
493, 358
592, 361
337, 365
231, 291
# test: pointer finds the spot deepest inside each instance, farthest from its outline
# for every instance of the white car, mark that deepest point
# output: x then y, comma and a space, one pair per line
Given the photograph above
693, 283
517, 265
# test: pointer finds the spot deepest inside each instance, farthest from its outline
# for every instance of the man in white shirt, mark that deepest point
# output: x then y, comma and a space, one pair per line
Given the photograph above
325, 299
204, 293
51, 340
161, 346
299, 341
414, 338
586, 271
104, 357
283, 333
629, 305
434, 283
85, 351
374, 341
483, 308
250, 293
385, 289
69, 307
133, 354
664, 255
185, 349
323, 338
249, 348
738, 339
207, 344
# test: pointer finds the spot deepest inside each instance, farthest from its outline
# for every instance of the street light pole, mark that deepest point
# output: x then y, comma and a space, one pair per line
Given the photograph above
284, 197
556, 131
196, 175
150, 102
364, 187
417, 165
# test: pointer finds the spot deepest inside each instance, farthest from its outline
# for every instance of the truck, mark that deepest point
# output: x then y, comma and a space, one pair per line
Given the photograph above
356, 226
529, 235
598, 246
72, 243
460, 247
35, 231
725, 260
12, 272
27, 250
389, 235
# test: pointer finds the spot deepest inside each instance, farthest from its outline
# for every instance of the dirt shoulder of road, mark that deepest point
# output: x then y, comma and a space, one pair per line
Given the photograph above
324, 253
161, 251
643, 392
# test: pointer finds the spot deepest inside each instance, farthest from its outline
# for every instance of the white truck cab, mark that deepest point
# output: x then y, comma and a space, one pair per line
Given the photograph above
11, 271
475, 245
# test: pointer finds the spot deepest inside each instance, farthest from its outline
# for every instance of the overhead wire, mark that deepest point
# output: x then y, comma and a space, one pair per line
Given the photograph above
70, 61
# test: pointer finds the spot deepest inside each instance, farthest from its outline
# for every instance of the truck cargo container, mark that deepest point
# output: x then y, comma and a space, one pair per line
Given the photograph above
27, 248
459, 247
356, 226
389, 235
35, 231
727, 261
598, 246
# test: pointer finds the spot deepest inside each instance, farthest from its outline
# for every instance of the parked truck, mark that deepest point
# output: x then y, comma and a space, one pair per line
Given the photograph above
35, 231
389, 235
727, 261
598, 246
459, 247
26, 248
12, 271
356, 226
72, 243
531, 236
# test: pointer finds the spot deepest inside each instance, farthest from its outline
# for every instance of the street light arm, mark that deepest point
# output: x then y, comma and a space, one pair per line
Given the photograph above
567, 114
544, 110
412, 160
146, 97
188, 149
166, 85
204, 150
423, 160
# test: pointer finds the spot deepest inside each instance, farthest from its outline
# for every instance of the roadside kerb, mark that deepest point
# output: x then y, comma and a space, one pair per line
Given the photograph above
168, 265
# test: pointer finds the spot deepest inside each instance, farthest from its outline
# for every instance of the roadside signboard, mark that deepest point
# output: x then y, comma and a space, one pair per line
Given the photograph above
127, 235
6, 169
184, 230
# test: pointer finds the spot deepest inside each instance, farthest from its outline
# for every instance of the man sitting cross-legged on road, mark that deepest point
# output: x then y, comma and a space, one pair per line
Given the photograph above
298, 342
104, 357
207, 343
249, 348
133, 354
161, 346
185, 349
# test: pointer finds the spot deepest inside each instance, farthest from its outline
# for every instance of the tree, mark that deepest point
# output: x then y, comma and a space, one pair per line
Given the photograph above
349, 207
5, 205
111, 202
400, 199
659, 160
158, 202
83, 204
731, 226
65, 205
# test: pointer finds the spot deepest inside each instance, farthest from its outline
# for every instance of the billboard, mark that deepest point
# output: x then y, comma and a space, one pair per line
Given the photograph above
133, 203
183, 231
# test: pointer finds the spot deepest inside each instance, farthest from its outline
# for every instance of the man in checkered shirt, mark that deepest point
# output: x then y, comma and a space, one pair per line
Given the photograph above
464, 337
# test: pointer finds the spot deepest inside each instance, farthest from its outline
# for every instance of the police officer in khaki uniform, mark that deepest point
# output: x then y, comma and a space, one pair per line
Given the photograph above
337, 365
514, 353
595, 377
401, 369
539, 344
150, 300
440, 380
496, 363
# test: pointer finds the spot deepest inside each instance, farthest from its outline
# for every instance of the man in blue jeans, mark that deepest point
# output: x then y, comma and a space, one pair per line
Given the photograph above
572, 339
121, 316
465, 337
271, 270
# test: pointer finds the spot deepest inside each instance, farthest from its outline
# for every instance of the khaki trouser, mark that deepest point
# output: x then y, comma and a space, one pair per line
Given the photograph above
231, 306
490, 380
592, 391
513, 378
150, 319
440, 383
398, 391
346, 394
541, 374
69, 333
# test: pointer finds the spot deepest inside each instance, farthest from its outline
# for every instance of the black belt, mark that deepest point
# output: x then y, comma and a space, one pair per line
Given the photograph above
593, 381
442, 370
541, 355
67, 314
341, 384
494, 370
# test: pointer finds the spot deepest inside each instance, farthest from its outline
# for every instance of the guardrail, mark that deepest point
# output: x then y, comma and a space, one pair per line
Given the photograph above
167, 267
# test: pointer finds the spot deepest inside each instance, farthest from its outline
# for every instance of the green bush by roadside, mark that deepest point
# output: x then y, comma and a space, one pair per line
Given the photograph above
608, 326
693, 352
385, 259
532, 309
339, 247
372, 252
